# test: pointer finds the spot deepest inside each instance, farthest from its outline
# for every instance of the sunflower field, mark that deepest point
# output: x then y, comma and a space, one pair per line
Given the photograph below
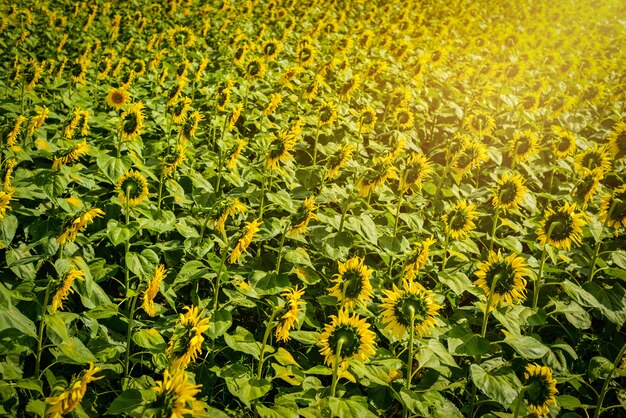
341, 208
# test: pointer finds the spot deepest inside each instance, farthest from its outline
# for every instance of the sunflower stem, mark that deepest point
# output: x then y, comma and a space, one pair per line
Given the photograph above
42, 325
445, 251
268, 330
544, 253
605, 386
133, 300
395, 224
22, 98
520, 397
343, 214
592, 268
160, 191
216, 291
441, 179
280, 248
131, 313
496, 217
409, 364
220, 155
317, 137
333, 386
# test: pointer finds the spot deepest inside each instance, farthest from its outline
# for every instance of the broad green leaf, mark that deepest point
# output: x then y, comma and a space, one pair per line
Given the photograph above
113, 167
619, 258
126, 402
285, 358
298, 256
219, 323
353, 407
276, 412
150, 339
501, 385
568, 402
599, 367
119, 233
74, 351
244, 341
526, 346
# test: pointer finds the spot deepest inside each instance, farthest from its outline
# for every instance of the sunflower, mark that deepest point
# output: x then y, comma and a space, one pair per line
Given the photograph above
190, 127
376, 176
617, 140
65, 288
15, 131
234, 154
349, 87
540, 389
565, 224
403, 118
186, 343
132, 121
182, 69
222, 94
460, 220
174, 161
138, 68
352, 283
152, 289
65, 402
587, 186
79, 121
301, 219
471, 155
280, 149
523, 146
411, 300
225, 209
6, 184
247, 236
505, 276
346, 337
564, 142
79, 224
310, 90
180, 109
367, 120
271, 49
616, 201
294, 306
234, 117
288, 75
255, 69
509, 191
71, 156
204, 62
418, 257
117, 98
78, 71
480, 123
240, 54
175, 396
181, 35
596, 160
326, 113
174, 94
305, 54
560, 104
133, 187
273, 104
418, 168
32, 73
338, 160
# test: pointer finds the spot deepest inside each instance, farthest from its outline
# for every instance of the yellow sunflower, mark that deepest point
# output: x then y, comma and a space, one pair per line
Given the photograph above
403, 118
280, 149
480, 123
596, 160
251, 228
117, 98
352, 283
326, 113
566, 227
179, 110
5, 200
132, 121
301, 219
505, 276
564, 142
132, 186
175, 395
234, 153
338, 160
173, 161
79, 224
586, 187
367, 120
376, 176
271, 49
460, 220
353, 334
540, 389
228, 207
412, 300
293, 306
523, 146
255, 69
65, 402
72, 155
471, 155
617, 140
418, 168
152, 289
186, 343
509, 191
418, 258
65, 288
616, 200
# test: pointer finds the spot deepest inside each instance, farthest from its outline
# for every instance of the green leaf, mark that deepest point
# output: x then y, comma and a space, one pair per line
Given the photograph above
285, 358
74, 351
595, 227
298, 256
458, 281
190, 271
185, 229
126, 402
574, 313
568, 402
150, 339
282, 199
526, 346
219, 323
276, 412
354, 407
305, 337
599, 367
619, 258
30, 384
244, 341
501, 386
240, 384
13, 318
113, 167
119, 233
8, 228
469, 345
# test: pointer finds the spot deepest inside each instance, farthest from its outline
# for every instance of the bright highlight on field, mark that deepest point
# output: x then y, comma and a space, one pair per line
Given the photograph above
285, 209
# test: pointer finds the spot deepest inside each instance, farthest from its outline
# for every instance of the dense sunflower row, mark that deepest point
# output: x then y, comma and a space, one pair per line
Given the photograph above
318, 209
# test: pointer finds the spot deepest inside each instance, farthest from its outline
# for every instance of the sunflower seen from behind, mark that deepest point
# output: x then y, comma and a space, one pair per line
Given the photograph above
540, 389
410, 301
562, 227
503, 279
509, 191
132, 187
613, 209
459, 220
293, 306
186, 343
351, 285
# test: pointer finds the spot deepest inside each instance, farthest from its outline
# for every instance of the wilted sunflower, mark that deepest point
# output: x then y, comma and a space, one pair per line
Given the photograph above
460, 220
190, 127
273, 104
540, 389
523, 146
186, 343
564, 142
79, 224
418, 258
175, 396
596, 160
225, 209
567, 227
338, 160
480, 123
132, 121
376, 176
152, 289
71, 156
234, 154
65, 288
352, 333
418, 168
617, 140
509, 274
294, 306
180, 109
64, 403
173, 161
509, 191
280, 149
301, 219
352, 283
234, 117
117, 98
132, 186
251, 228
411, 300
616, 200
326, 113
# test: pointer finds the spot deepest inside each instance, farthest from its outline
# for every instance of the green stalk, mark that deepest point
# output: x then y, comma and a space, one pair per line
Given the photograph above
496, 217
605, 387
317, 136
22, 98
409, 364
280, 248
160, 190
268, 330
131, 313
441, 179
42, 325
219, 274
333, 387
544, 253
133, 300
395, 224
592, 269
520, 397
445, 251
220, 155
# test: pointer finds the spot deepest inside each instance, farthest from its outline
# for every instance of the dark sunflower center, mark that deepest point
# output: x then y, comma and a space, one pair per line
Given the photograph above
564, 143
221, 99
504, 275
179, 109
350, 337
326, 113
138, 67
403, 117
480, 122
407, 303
117, 97
181, 69
522, 146
563, 226
300, 216
414, 172
131, 124
436, 56
590, 93
77, 70
270, 49
277, 149
254, 68
528, 102
537, 391
131, 187
174, 92
353, 282
619, 206
368, 118
621, 141
305, 54
458, 220
507, 193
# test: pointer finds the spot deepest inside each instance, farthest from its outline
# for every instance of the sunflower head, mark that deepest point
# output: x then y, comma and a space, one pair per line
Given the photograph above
352, 283
617, 140
367, 120
562, 227
460, 220
132, 187
132, 121
418, 168
255, 69
540, 389
509, 191
418, 258
305, 213
346, 337
503, 279
410, 304
326, 113
596, 160
613, 209
480, 123
403, 118
523, 146
564, 142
